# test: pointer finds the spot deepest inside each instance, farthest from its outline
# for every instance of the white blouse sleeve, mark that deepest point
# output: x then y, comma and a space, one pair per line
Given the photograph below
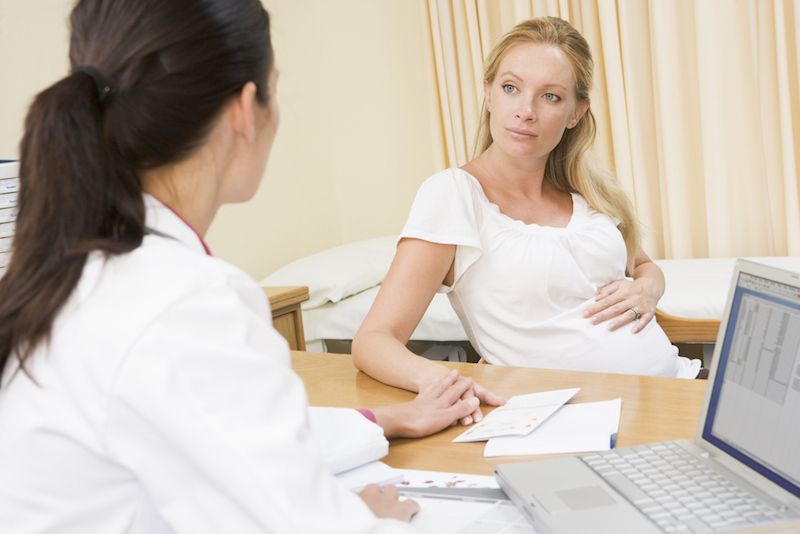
208, 415
446, 211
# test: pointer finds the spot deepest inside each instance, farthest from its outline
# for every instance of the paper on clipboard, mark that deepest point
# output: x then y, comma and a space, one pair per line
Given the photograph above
519, 416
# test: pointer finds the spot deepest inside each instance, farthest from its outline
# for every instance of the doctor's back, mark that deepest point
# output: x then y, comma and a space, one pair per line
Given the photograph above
143, 388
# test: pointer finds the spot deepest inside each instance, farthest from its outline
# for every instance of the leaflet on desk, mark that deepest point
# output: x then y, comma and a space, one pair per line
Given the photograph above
582, 427
520, 415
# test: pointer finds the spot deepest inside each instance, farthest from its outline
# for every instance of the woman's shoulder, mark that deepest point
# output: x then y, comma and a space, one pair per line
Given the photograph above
450, 182
169, 271
446, 205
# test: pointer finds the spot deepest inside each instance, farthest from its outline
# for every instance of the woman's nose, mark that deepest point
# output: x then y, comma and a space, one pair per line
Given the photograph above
526, 112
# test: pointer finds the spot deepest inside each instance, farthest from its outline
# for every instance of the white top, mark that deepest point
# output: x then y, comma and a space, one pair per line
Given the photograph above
520, 289
165, 404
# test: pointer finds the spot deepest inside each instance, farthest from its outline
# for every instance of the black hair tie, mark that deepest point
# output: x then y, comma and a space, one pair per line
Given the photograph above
103, 89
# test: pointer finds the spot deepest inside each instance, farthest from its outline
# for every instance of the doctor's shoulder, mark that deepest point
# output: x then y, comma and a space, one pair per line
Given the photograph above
165, 271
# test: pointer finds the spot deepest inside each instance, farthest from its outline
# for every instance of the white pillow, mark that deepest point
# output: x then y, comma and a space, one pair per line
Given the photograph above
338, 272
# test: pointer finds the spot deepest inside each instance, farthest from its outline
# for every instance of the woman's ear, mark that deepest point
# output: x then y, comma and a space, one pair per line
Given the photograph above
242, 112
577, 115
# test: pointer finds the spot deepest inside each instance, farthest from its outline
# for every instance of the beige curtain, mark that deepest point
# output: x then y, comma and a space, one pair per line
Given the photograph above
697, 102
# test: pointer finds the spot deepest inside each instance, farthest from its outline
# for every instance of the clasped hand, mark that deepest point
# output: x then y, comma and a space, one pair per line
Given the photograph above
619, 302
441, 403
472, 395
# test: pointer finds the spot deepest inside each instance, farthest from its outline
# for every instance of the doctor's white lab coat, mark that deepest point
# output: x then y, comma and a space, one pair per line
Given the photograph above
165, 404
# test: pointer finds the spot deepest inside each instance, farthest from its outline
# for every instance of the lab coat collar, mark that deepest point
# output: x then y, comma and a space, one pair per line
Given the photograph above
161, 219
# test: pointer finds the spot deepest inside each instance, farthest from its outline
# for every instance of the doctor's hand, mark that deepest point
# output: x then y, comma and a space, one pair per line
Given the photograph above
438, 405
385, 503
624, 302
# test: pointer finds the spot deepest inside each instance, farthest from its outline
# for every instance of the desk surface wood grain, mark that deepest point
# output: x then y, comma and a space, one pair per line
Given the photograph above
653, 409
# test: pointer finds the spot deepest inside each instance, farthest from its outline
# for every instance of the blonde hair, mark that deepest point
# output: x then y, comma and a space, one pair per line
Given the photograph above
568, 167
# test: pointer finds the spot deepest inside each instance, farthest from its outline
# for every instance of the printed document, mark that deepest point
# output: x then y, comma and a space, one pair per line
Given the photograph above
519, 416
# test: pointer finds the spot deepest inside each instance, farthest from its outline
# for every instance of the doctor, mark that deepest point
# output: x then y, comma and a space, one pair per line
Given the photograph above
143, 387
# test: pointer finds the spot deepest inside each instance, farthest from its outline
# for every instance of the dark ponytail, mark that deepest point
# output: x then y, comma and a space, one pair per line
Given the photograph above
170, 67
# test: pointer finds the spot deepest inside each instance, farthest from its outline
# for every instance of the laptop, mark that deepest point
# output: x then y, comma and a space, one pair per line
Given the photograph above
741, 471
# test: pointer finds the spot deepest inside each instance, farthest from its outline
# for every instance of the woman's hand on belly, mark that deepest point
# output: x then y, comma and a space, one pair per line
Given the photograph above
623, 302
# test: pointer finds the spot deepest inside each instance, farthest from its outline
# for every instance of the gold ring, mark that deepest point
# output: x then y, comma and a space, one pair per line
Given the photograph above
637, 312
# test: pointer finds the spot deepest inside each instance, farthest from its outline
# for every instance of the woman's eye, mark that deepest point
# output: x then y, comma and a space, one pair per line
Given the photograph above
552, 97
508, 88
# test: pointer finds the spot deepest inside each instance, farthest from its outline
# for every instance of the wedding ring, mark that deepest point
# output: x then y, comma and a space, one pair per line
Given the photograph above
637, 312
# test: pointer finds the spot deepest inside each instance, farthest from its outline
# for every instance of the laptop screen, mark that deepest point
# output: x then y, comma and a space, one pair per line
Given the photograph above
754, 408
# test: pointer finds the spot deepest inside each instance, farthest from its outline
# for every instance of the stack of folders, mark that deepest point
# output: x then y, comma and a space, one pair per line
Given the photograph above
9, 186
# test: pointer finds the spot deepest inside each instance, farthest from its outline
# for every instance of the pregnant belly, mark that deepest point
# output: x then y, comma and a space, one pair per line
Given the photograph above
569, 341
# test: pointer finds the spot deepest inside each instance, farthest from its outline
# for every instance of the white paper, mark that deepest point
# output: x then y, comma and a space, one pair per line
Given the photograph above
371, 473
418, 478
451, 516
519, 416
580, 427
448, 516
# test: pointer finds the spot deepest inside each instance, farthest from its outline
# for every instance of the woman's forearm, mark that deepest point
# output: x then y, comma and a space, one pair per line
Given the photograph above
650, 274
385, 358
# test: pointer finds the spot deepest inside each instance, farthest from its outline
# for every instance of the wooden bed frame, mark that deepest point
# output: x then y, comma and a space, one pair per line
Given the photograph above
683, 330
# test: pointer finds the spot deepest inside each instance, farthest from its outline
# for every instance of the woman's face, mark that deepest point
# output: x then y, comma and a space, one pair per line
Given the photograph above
531, 101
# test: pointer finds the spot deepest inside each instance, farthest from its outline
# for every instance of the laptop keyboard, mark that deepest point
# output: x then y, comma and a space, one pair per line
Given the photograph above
678, 492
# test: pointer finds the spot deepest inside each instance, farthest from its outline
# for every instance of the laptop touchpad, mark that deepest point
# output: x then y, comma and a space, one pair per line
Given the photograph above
585, 497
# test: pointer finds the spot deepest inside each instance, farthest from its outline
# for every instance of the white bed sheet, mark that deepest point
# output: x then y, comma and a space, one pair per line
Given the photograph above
341, 320
696, 288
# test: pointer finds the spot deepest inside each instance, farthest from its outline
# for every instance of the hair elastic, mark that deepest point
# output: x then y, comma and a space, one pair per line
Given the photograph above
103, 89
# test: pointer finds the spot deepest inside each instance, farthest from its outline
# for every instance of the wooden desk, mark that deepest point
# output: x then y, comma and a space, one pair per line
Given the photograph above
653, 409
287, 318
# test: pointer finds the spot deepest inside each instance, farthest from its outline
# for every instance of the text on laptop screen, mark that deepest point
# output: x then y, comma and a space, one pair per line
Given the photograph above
754, 410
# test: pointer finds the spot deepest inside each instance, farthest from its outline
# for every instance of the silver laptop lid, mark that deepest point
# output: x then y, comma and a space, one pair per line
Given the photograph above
752, 409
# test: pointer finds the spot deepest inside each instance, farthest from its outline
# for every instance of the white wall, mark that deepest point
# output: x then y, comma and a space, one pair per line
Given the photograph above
33, 55
355, 139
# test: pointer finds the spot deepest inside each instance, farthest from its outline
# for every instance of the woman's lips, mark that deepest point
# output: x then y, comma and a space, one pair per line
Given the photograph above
521, 134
